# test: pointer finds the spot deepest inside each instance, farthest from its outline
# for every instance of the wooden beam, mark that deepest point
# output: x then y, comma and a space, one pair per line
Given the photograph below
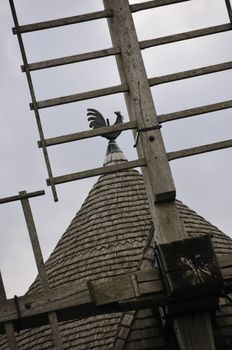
98, 171
22, 195
152, 4
8, 327
86, 299
62, 22
190, 73
145, 44
140, 102
72, 59
79, 97
33, 98
229, 9
77, 300
40, 266
200, 149
163, 118
88, 134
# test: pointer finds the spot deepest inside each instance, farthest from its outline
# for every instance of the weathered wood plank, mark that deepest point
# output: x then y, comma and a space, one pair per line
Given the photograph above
62, 21
81, 300
229, 9
87, 134
79, 97
7, 326
21, 196
145, 44
71, 59
40, 265
163, 118
190, 73
33, 98
152, 4
201, 335
140, 103
98, 171
200, 149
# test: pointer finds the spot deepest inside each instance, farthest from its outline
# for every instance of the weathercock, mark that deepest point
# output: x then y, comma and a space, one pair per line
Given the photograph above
97, 120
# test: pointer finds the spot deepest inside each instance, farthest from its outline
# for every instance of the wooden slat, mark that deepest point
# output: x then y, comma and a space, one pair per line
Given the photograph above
200, 149
195, 111
145, 44
152, 4
21, 196
81, 300
7, 326
40, 266
80, 97
87, 134
190, 73
72, 59
229, 9
62, 21
33, 98
115, 51
99, 171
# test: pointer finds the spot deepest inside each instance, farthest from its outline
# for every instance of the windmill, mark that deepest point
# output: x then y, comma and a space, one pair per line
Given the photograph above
157, 177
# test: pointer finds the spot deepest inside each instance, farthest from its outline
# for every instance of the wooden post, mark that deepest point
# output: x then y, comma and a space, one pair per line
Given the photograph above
157, 174
40, 266
9, 328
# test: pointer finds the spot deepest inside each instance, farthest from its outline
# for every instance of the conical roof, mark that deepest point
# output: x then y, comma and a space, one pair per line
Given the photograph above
112, 235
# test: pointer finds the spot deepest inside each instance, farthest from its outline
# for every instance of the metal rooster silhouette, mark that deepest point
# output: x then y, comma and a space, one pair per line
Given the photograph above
97, 120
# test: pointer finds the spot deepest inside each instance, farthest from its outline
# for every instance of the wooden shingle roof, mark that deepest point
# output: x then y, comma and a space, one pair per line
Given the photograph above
112, 235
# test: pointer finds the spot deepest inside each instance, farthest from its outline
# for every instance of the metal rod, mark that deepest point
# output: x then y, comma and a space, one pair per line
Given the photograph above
151, 4
62, 22
8, 326
199, 150
19, 197
40, 264
32, 92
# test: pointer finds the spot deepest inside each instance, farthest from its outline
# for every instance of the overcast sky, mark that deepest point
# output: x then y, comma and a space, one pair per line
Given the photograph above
202, 182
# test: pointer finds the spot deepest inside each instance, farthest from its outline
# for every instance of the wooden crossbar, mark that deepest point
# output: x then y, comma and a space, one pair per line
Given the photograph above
145, 44
190, 73
115, 51
124, 87
88, 299
62, 22
214, 107
152, 4
21, 196
80, 97
199, 149
98, 171
72, 59
88, 134
88, 17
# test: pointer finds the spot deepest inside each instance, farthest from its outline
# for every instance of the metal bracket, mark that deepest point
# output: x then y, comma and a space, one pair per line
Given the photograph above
155, 127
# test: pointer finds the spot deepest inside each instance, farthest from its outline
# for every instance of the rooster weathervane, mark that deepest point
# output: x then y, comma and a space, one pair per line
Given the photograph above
97, 120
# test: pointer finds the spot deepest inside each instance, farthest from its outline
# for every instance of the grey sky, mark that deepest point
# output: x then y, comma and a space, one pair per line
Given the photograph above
203, 182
